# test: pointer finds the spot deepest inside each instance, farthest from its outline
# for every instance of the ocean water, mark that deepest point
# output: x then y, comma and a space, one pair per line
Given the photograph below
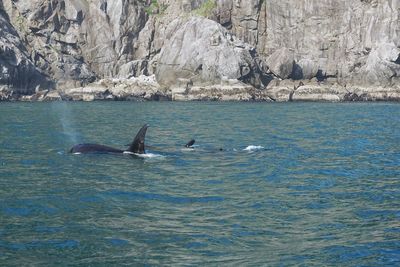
267, 184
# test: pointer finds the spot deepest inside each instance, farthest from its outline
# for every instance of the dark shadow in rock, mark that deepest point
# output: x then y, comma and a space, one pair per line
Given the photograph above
266, 79
398, 60
199, 69
320, 75
160, 97
353, 97
297, 72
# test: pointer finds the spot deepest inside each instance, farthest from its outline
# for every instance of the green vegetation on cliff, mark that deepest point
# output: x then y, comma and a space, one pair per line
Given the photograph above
206, 8
155, 8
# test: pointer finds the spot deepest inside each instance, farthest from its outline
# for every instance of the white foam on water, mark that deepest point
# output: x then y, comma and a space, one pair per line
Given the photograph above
77, 153
253, 148
187, 149
149, 155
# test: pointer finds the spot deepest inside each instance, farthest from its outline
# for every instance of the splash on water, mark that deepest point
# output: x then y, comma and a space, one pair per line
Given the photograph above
253, 148
149, 155
188, 149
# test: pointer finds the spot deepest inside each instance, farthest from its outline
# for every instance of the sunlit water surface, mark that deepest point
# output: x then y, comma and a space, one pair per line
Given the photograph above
296, 184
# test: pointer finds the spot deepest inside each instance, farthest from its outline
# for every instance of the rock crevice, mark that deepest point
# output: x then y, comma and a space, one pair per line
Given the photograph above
66, 44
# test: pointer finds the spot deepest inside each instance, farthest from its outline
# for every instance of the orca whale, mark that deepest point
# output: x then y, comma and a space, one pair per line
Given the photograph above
190, 144
136, 147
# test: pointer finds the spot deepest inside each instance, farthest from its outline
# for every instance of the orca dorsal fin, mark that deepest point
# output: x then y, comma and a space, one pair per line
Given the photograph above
137, 145
190, 143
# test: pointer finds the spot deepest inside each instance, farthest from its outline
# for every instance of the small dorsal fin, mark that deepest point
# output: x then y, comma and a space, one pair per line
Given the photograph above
137, 145
190, 143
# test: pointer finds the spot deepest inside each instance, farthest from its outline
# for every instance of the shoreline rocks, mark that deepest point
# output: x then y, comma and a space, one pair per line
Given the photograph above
292, 50
146, 88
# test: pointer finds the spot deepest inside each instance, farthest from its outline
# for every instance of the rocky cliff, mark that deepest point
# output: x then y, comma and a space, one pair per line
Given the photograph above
201, 49
17, 71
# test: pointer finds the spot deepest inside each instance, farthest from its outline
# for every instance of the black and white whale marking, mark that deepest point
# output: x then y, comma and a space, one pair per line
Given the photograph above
190, 144
136, 147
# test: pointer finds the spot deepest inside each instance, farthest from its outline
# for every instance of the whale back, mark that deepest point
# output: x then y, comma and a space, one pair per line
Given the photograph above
137, 146
190, 143
93, 148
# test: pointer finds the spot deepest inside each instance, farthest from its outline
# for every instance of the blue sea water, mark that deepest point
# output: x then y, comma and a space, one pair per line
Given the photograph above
295, 184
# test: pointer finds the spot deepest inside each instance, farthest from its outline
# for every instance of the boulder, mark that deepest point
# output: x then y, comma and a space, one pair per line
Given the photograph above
280, 63
373, 93
382, 65
229, 90
135, 88
204, 52
52, 96
318, 92
307, 67
280, 91
133, 68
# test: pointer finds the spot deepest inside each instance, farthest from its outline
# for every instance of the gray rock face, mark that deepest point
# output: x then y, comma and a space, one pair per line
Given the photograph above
203, 52
336, 37
140, 88
281, 63
46, 27
242, 18
382, 65
77, 41
17, 71
350, 44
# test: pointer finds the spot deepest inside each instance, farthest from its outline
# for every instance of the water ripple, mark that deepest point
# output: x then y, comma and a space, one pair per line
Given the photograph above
317, 184
163, 198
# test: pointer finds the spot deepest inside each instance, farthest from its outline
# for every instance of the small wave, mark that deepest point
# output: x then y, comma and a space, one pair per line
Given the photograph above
150, 155
188, 149
253, 148
165, 198
147, 155
77, 153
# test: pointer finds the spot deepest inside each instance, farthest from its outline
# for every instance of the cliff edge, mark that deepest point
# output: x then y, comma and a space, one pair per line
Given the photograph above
286, 50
